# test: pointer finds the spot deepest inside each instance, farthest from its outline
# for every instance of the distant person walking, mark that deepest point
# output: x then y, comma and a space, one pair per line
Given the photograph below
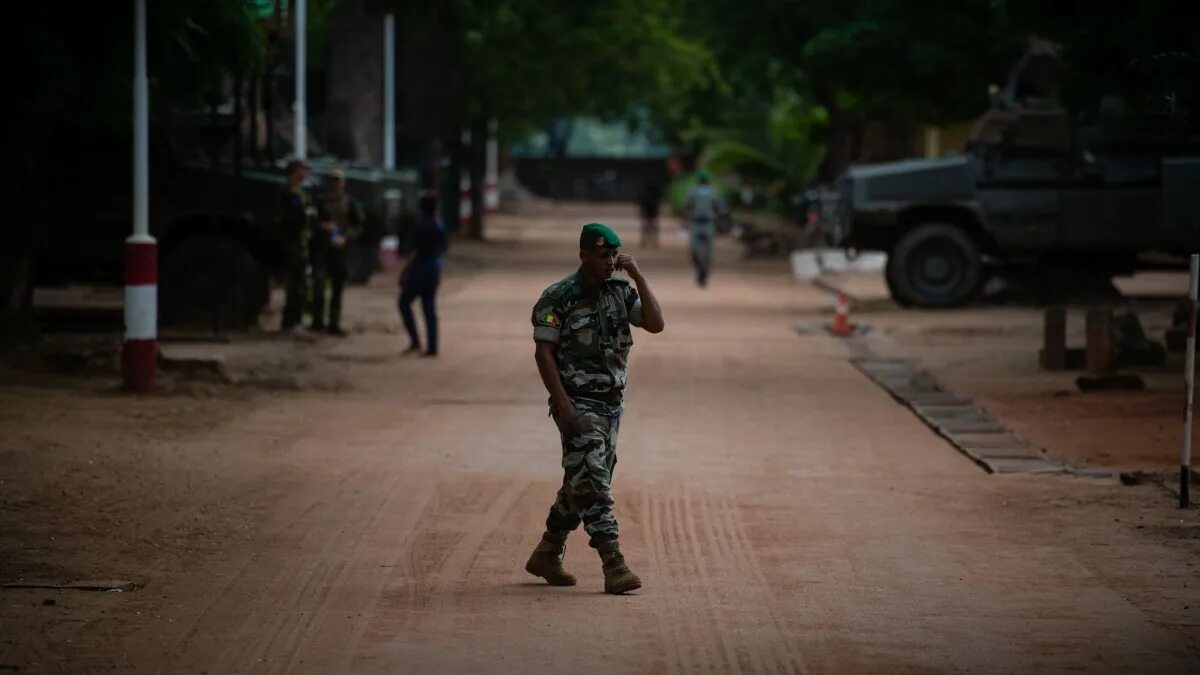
342, 219
648, 202
703, 207
295, 214
422, 274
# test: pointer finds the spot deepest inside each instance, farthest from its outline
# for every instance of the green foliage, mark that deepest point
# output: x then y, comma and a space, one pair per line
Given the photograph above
529, 62
925, 62
780, 147
195, 44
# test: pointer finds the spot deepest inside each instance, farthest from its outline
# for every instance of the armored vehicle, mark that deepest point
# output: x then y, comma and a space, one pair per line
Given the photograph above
1033, 187
219, 242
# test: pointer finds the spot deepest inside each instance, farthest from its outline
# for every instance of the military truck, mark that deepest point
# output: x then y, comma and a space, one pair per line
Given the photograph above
1034, 187
219, 242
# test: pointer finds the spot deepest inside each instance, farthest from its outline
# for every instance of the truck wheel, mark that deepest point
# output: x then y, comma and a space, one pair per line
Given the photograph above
211, 281
934, 265
900, 299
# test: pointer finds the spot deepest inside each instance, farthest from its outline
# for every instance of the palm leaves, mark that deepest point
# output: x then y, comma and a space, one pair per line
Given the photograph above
780, 146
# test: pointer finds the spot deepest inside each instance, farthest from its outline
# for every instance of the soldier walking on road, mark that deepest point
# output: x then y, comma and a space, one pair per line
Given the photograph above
341, 224
582, 335
296, 214
703, 207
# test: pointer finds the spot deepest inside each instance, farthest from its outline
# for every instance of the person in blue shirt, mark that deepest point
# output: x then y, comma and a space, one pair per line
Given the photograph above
421, 275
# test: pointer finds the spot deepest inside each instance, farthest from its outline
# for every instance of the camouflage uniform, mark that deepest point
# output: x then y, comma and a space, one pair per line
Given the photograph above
703, 206
593, 337
296, 211
329, 261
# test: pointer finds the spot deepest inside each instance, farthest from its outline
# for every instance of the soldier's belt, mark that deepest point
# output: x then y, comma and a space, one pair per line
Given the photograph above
609, 397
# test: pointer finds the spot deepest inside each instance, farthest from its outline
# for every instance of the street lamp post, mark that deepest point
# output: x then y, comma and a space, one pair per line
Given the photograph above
491, 183
139, 354
389, 92
464, 182
300, 25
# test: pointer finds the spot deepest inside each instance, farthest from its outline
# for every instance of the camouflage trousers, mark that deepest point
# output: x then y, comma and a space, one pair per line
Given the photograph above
701, 249
589, 458
296, 288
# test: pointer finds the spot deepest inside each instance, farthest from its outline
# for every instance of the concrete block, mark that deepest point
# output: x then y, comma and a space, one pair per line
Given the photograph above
1101, 347
1054, 339
805, 266
980, 426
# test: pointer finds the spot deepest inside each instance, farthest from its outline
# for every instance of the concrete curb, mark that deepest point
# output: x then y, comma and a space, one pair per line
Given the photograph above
967, 427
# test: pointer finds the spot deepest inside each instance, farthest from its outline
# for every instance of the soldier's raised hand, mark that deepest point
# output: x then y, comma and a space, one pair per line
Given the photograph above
626, 263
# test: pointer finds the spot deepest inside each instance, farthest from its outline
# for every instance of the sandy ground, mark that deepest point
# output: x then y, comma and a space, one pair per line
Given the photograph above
340, 509
990, 354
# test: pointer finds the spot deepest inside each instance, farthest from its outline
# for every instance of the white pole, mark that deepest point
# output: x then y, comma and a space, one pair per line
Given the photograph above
464, 181
300, 25
139, 353
389, 92
1185, 462
491, 181
141, 127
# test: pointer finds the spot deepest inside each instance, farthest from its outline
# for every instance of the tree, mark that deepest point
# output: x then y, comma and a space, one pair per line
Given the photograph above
528, 62
889, 61
781, 148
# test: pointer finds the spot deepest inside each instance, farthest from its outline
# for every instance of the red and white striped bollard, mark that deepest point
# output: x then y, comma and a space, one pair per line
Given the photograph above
139, 356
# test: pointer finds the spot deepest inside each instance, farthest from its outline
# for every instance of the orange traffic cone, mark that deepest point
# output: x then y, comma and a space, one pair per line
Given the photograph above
841, 321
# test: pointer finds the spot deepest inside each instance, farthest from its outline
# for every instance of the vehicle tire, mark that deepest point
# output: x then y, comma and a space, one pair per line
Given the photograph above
211, 281
900, 300
934, 265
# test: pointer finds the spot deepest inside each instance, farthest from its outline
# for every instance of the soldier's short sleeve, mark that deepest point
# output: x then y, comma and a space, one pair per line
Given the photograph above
547, 319
633, 306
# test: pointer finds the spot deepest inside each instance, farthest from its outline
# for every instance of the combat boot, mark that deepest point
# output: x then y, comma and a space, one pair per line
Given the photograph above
546, 561
617, 577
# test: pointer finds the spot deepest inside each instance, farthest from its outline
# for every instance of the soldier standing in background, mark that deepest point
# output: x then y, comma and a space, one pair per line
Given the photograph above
296, 214
648, 202
703, 207
341, 225
582, 332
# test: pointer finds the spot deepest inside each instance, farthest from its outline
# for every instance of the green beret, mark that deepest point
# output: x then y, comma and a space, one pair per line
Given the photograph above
598, 235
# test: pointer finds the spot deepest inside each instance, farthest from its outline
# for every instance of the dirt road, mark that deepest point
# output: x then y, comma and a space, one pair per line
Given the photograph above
785, 515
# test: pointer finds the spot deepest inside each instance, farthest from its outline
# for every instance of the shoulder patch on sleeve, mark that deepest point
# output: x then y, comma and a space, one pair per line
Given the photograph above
547, 318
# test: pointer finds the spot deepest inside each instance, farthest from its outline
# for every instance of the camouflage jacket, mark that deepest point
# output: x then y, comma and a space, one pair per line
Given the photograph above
347, 215
296, 213
593, 335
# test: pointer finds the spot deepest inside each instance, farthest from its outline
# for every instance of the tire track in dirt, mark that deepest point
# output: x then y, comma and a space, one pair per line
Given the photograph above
324, 638
697, 639
275, 625
711, 624
737, 588
752, 660
324, 547
785, 654
421, 595
665, 617
448, 580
